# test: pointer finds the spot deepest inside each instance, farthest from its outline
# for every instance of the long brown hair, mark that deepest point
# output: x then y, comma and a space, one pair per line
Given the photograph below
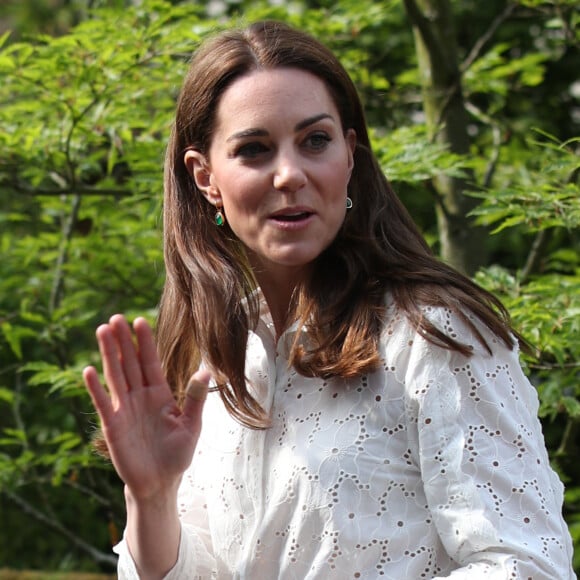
209, 302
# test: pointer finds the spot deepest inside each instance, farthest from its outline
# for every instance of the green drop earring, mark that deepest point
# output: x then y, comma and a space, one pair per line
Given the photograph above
220, 218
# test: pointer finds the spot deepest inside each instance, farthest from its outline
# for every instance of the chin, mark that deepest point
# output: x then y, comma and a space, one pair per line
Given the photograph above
297, 260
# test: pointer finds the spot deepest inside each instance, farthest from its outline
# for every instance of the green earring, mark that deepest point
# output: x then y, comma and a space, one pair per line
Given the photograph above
220, 219
348, 203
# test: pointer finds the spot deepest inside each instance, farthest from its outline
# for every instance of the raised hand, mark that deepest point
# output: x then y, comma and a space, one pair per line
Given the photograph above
150, 439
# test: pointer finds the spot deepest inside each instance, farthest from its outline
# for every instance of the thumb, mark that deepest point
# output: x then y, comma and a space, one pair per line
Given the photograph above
196, 393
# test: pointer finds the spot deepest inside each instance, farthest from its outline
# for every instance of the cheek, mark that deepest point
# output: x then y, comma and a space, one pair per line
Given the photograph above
337, 181
241, 202
239, 193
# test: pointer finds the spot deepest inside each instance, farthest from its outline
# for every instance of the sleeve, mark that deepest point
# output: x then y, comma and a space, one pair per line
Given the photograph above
195, 559
495, 500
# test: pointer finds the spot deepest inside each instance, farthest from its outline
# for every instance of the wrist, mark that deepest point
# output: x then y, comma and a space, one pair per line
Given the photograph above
161, 500
153, 531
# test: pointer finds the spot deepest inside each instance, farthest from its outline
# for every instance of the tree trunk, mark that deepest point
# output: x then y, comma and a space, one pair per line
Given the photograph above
462, 243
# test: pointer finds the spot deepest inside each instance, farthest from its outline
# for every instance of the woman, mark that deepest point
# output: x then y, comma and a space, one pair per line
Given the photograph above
370, 417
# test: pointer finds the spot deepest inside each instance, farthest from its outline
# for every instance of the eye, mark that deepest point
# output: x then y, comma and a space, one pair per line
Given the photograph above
250, 150
318, 141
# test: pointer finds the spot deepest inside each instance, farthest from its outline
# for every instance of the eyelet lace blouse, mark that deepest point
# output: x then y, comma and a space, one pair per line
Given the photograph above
434, 466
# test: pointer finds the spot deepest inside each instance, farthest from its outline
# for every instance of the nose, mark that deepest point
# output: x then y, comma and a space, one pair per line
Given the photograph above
289, 173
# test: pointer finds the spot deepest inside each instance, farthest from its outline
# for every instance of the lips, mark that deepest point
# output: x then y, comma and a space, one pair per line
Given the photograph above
290, 215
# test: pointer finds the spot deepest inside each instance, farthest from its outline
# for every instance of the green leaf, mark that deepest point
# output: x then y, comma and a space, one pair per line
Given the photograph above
6, 395
14, 336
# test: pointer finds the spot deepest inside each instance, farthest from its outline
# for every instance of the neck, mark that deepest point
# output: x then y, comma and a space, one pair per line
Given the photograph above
277, 288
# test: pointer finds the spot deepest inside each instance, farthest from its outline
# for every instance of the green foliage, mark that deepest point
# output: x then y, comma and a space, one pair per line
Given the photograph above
497, 72
545, 194
407, 156
542, 197
85, 117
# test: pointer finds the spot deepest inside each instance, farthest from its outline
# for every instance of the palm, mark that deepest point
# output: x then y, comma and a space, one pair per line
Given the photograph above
151, 441
148, 437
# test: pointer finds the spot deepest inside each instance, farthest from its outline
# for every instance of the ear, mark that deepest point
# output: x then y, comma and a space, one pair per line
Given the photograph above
199, 168
350, 138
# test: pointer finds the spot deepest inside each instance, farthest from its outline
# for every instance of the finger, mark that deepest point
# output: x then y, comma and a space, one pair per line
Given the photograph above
150, 364
195, 396
198, 386
112, 369
128, 352
99, 396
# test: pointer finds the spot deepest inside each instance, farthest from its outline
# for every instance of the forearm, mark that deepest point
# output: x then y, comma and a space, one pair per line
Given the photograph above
153, 533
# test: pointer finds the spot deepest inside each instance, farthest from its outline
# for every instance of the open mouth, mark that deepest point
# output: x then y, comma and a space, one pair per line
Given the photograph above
293, 217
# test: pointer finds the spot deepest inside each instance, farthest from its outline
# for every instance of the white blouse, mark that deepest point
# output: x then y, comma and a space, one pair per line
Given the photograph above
434, 466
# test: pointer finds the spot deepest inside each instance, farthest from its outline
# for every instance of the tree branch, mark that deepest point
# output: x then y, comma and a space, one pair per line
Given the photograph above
18, 421
82, 191
67, 233
494, 159
479, 45
567, 452
535, 255
421, 23
26, 507
541, 239
551, 367
102, 500
496, 136
452, 92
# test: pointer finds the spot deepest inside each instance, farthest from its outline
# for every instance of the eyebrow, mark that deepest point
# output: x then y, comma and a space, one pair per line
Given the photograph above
263, 133
311, 121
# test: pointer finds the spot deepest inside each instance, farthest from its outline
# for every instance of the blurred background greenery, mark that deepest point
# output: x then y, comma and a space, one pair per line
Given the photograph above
478, 130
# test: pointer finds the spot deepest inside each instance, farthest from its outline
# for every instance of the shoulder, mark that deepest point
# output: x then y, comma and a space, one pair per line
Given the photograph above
405, 345
459, 324
440, 382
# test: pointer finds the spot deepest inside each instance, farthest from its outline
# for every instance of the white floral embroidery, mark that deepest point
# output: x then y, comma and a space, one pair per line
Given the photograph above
434, 466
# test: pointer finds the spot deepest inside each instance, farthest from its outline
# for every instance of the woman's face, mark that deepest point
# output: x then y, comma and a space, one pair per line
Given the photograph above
279, 164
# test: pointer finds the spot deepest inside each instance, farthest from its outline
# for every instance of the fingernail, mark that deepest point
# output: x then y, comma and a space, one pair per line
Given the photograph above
197, 386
